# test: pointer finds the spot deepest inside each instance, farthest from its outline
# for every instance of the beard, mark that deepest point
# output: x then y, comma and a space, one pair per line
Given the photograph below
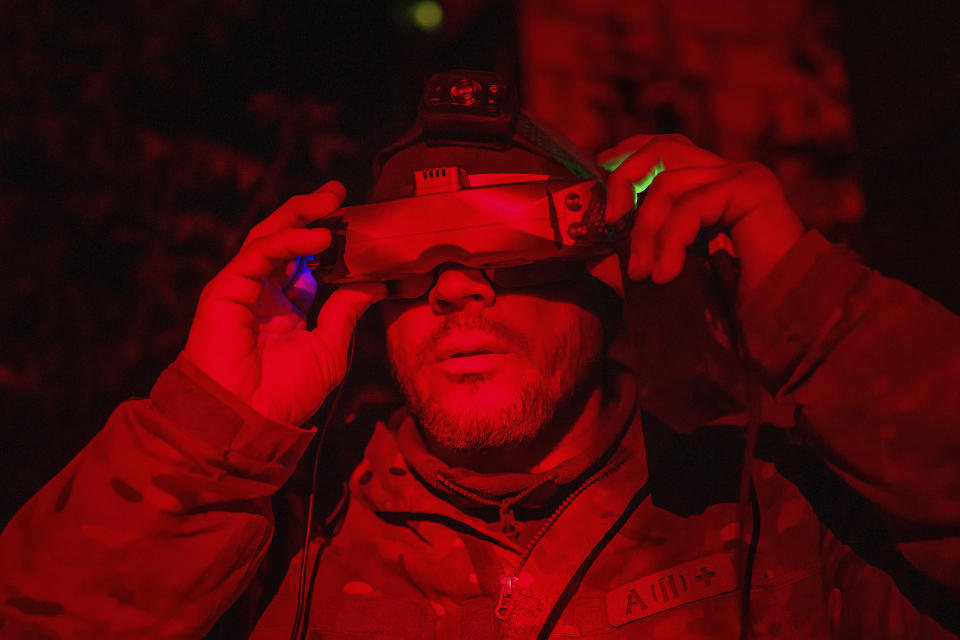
499, 409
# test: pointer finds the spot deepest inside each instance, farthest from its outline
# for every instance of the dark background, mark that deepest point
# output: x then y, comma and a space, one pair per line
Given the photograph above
139, 141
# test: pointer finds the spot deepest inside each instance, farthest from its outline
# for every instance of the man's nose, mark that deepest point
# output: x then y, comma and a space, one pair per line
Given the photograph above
459, 287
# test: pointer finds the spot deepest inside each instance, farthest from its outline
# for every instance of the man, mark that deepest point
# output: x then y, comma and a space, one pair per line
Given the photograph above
523, 492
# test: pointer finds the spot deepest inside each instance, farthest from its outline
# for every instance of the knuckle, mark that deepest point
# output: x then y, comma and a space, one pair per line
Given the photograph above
649, 218
678, 138
208, 289
618, 184
334, 365
323, 199
758, 172
256, 245
259, 249
659, 145
311, 205
635, 140
661, 185
255, 232
297, 201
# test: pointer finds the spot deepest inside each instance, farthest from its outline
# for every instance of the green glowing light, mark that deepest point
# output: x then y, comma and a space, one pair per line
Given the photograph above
614, 163
641, 186
426, 15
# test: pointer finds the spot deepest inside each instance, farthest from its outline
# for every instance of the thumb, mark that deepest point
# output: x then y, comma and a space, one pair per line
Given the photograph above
338, 316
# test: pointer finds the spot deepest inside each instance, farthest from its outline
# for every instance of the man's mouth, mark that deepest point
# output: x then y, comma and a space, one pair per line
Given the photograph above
466, 344
475, 352
475, 362
466, 352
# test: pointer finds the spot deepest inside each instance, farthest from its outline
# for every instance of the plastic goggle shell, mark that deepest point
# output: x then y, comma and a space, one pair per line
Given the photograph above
519, 234
518, 276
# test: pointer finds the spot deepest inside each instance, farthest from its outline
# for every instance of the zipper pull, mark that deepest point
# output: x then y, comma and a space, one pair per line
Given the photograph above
507, 522
507, 584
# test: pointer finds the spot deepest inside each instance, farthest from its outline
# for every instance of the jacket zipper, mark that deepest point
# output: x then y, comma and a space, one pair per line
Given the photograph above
505, 506
508, 583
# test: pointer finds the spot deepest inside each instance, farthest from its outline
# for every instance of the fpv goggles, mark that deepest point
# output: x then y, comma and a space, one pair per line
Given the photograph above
534, 221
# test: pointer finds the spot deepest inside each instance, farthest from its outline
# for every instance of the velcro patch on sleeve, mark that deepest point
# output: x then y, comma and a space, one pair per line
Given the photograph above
682, 584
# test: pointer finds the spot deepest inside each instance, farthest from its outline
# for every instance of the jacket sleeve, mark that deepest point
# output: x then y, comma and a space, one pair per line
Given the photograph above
873, 369
156, 526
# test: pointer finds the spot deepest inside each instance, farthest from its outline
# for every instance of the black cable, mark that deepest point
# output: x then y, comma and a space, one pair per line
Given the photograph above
722, 269
747, 574
747, 492
296, 632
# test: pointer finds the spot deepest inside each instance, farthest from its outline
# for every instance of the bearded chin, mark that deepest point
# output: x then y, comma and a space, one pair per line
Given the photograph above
478, 423
479, 412
483, 414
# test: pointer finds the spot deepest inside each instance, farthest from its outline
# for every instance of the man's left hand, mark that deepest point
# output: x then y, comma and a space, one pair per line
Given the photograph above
695, 189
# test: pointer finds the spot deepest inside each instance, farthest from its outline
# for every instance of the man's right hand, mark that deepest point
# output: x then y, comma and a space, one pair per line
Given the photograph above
249, 333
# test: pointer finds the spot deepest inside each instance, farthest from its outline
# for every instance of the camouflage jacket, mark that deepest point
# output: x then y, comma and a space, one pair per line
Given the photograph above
162, 526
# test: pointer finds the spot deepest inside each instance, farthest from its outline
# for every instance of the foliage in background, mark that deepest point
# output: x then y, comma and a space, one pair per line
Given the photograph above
746, 79
134, 157
139, 140
138, 143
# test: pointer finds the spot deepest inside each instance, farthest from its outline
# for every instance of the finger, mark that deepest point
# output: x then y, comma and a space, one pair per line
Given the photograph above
631, 144
642, 246
678, 233
302, 288
672, 152
263, 256
613, 157
651, 216
611, 161
338, 316
671, 187
301, 210
693, 209
665, 196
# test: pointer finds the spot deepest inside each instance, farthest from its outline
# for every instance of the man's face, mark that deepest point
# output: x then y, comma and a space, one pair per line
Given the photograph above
487, 368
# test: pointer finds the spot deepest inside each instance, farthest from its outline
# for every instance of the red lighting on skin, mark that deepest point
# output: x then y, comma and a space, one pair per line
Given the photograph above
478, 363
471, 352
